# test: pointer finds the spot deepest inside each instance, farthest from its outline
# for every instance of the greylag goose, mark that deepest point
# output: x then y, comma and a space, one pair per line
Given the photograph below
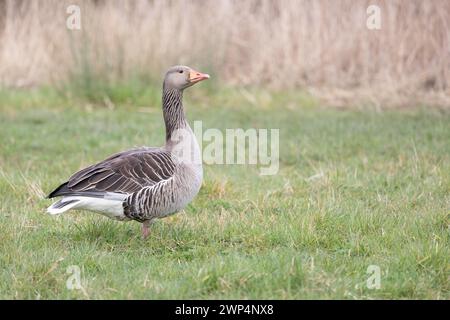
145, 183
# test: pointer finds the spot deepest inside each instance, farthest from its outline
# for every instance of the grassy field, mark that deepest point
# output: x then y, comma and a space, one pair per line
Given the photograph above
355, 188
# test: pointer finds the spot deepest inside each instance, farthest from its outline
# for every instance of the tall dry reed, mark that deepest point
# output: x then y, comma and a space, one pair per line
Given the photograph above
319, 45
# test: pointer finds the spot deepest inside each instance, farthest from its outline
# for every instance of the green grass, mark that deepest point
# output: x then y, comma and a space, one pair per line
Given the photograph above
354, 189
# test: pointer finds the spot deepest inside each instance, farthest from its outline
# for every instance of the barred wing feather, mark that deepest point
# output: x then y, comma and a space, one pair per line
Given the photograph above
125, 172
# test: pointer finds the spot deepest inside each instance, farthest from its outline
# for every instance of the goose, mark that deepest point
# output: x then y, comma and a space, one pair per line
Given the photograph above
146, 183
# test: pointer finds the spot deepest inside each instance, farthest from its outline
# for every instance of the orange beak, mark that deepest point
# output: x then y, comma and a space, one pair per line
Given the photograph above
195, 76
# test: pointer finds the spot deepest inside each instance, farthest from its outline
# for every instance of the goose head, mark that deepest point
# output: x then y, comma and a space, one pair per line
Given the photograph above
182, 77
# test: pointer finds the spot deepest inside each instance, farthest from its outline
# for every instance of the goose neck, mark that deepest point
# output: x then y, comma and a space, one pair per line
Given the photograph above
173, 111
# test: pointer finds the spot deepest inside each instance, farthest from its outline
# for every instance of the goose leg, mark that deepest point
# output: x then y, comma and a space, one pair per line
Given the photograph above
146, 228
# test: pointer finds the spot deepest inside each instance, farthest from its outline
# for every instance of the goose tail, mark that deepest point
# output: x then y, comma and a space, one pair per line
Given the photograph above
62, 206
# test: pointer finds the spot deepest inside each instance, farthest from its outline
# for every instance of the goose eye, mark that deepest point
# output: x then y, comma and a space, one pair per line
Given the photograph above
180, 71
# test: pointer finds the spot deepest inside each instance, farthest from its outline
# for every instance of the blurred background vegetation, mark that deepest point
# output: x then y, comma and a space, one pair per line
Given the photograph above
321, 47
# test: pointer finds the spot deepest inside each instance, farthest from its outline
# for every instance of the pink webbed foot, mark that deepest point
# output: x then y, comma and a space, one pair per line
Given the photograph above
146, 229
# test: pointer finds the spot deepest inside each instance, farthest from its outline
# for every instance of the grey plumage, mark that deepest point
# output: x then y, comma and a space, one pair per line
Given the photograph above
124, 172
145, 183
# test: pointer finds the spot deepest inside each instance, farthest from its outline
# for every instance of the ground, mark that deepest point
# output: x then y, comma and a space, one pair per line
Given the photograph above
358, 190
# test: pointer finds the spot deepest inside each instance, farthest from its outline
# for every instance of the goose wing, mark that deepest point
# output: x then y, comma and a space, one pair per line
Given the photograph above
125, 173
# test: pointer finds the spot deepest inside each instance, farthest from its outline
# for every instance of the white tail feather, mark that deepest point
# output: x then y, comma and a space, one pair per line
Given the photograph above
59, 207
108, 207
